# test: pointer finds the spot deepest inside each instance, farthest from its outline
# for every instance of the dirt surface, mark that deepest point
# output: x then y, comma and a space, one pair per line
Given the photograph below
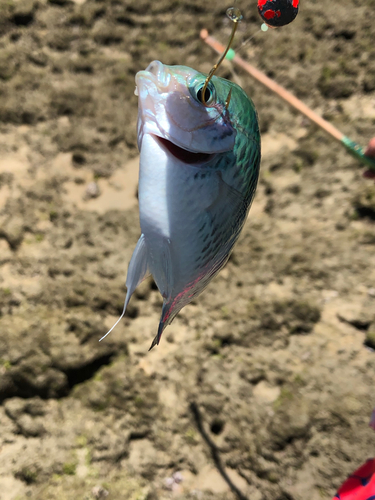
263, 387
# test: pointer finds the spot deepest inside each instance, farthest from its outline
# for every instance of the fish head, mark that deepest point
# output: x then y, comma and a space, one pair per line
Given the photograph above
170, 107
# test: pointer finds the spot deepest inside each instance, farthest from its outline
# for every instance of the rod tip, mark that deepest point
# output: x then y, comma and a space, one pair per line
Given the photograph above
204, 34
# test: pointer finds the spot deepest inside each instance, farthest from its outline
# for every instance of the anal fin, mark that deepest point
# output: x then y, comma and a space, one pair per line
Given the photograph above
162, 272
157, 336
164, 321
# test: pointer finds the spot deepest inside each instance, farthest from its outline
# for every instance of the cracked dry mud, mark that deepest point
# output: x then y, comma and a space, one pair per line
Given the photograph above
266, 379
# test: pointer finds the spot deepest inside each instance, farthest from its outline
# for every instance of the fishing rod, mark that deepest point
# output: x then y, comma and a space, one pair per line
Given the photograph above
351, 146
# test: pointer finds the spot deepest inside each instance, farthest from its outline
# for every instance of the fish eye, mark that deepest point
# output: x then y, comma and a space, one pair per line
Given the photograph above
209, 94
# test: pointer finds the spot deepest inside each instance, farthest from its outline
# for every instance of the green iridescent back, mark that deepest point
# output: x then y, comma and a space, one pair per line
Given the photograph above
244, 119
243, 160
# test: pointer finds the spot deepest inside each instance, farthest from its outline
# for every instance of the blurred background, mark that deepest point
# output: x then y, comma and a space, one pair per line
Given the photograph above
263, 387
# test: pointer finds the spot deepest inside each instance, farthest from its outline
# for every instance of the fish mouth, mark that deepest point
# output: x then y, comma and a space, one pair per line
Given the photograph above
184, 155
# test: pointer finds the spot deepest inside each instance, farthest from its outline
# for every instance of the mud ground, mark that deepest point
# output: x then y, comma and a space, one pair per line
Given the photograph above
263, 387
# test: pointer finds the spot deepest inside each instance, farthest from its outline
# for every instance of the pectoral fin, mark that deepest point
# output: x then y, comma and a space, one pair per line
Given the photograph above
137, 272
138, 268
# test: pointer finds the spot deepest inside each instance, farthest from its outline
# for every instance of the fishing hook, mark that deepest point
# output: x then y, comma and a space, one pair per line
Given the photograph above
234, 15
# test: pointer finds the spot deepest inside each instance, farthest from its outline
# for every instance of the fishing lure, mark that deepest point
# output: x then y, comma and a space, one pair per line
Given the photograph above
276, 13
199, 144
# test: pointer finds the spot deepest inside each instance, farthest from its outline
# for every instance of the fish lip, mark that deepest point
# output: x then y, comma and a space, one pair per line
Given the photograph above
156, 73
147, 75
184, 155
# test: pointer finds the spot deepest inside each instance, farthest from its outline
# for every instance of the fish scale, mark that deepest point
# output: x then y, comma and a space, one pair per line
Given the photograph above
199, 167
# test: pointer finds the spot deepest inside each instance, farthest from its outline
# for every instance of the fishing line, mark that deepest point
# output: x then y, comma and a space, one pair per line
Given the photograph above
231, 53
262, 29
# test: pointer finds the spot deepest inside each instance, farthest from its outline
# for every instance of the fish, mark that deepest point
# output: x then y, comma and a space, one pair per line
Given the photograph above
199, 168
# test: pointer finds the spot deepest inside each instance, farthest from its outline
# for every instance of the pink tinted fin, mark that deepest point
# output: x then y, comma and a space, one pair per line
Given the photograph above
157, 336
161, 270
137, 272
162, 324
